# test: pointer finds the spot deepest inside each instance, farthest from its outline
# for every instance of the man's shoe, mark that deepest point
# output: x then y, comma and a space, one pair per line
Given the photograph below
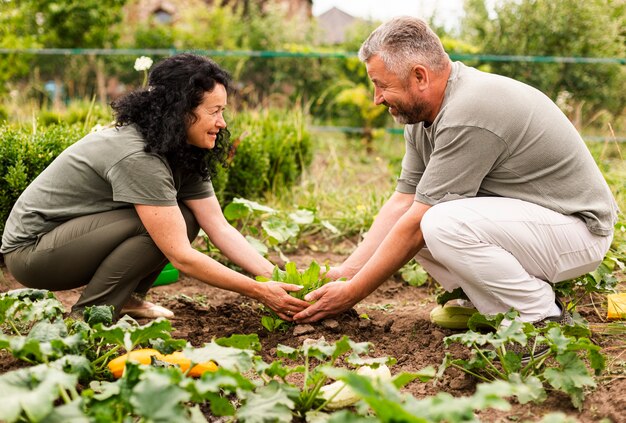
535, 351
146, 310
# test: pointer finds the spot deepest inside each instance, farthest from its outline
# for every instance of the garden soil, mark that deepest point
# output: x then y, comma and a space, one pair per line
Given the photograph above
395, 319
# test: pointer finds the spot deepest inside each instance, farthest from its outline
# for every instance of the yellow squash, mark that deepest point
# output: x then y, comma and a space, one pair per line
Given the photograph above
616, 306
144, 356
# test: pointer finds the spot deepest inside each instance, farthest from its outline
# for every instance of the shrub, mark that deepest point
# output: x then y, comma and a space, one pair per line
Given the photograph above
274, 149
24, 153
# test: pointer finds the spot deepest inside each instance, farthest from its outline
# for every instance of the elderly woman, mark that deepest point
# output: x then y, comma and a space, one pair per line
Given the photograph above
113, 208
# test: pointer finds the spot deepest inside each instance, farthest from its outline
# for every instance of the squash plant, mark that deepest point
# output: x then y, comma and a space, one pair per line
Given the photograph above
562, 367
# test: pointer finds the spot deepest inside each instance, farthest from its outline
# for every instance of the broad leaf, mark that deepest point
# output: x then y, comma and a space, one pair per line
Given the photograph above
32, 391
157, 399
269, 404
233, 359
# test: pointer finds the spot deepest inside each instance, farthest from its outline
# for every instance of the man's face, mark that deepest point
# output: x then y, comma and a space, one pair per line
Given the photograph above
404, 101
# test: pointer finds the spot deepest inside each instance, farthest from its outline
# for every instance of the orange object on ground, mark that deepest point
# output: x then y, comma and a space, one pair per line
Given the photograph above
617, 306
144, 356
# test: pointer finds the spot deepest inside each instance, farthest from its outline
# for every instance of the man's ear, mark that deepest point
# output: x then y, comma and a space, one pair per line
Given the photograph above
421, 76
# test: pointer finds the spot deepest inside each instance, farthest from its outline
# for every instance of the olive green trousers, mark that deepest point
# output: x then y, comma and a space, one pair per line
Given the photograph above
109, 253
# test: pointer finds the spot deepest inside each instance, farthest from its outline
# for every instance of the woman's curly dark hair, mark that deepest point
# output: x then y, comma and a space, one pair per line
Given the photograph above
163, 112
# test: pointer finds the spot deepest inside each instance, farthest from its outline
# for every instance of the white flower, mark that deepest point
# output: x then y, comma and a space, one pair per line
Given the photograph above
143, 63
97, 128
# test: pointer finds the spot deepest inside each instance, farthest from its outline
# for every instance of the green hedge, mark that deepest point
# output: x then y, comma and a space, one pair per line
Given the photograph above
274, 148
273, 152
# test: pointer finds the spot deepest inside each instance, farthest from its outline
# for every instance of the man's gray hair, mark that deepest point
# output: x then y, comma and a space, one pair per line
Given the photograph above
404, 42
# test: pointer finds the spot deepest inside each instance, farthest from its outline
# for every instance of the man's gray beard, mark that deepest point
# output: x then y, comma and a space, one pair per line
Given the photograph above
409, 119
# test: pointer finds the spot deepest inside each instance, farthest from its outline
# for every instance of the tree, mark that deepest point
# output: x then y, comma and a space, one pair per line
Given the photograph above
60, 24
590, 28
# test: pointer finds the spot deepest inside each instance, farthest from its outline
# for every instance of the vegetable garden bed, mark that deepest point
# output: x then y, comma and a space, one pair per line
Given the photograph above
395, 319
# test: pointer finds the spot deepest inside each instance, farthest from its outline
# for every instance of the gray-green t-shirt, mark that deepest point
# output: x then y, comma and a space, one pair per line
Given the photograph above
495, 136
105, 170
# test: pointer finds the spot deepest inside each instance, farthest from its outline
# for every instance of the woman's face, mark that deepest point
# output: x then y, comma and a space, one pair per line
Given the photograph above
209, 119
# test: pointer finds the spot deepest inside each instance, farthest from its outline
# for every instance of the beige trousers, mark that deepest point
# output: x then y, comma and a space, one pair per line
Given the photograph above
506, 253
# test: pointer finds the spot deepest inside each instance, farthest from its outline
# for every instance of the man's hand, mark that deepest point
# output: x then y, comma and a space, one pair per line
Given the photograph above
273, 295
338, 272
331, 299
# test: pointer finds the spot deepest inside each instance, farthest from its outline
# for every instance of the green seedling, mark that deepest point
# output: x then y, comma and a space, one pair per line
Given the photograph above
310, 280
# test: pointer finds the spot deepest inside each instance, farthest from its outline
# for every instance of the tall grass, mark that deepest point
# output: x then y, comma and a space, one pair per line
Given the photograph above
345, 184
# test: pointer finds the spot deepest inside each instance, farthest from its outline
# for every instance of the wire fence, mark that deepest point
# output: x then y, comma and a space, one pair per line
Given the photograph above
291, 54
320, 55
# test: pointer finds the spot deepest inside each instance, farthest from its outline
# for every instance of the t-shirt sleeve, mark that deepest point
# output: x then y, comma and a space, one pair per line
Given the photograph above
412, 166
461, 159
142, 179
193, 187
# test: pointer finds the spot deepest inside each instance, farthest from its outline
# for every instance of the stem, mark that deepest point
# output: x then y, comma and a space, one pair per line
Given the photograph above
65, 396
484, 379
331, 398
313, 394
14, 328
105, 356
595, 308
494, 368
305, 389
74, 392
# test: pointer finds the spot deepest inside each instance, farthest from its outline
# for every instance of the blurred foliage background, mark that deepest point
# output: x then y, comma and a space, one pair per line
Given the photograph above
330, 90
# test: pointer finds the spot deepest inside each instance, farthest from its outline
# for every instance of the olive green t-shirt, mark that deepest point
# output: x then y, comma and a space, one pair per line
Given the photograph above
495, 136
105, 170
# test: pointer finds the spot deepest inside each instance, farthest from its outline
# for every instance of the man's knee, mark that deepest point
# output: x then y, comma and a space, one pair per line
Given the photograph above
439, 226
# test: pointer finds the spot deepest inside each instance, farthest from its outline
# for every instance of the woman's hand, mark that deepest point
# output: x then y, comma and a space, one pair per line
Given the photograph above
332, 298
274, 296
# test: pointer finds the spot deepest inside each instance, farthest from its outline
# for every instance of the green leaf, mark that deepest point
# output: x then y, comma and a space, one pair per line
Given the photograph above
280, 231
236, 211
220, 406
404, 378
511, 333
319, 349
222, 379
6, 303
98, 314
67, 413
414, 274
272, 324
556, 338
332, 228
302, 217
156, 398
128, 334
254, 206
234, 359
455, 294
75, 364
529, 389
287, 352
385, 405
257, 245
269, 404
571, 377
243, 342
167, 346
32, 391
